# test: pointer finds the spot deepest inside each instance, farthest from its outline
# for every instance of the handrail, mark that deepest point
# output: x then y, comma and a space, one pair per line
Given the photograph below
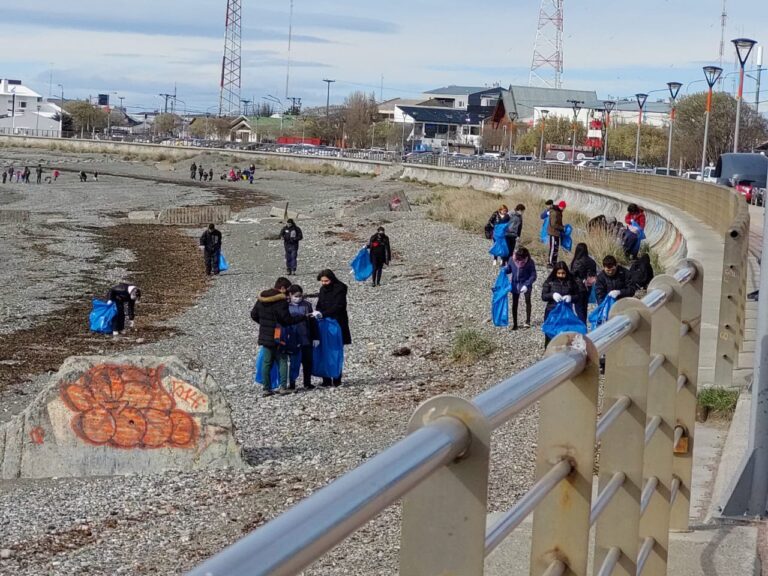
609, 563
605, 496
645, 551
610, 416
650, 487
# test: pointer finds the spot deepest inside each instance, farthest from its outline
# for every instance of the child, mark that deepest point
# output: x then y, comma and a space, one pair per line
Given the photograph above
522, 275
125, 296
613, 281
500, 216
307, 338
560, 286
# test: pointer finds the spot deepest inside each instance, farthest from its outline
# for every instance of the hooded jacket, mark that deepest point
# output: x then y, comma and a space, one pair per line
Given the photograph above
555, 227
211, 240
582, 269
332, 303
291, 235
619, 281
379, 247
552, 286
120, 294
271, 309
524, 275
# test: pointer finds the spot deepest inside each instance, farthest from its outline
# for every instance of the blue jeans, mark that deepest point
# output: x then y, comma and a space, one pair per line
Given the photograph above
291, 256
271, 355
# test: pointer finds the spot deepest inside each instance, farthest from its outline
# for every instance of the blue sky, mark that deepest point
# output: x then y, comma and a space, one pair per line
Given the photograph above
617, 48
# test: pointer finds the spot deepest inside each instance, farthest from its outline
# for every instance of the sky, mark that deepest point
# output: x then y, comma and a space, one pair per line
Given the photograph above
617, 48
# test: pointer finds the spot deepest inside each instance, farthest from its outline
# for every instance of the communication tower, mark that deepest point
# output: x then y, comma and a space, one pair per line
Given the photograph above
547, 63
229, 99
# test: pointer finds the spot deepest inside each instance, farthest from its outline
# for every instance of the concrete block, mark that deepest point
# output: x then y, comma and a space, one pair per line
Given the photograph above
277, 212
142, 216
121, 415
14, 216
195, 215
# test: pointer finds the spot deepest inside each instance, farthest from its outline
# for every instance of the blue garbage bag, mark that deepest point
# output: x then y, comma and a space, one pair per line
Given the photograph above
362, 266
328, 358
101, 316
593, 295
600, 314
499, 248
562, 319
274, 373
500, 300
565, 238
640, 236
223, 265
544, 235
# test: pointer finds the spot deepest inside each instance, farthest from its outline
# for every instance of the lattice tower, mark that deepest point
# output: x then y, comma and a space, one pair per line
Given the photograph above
229, 99
547, 63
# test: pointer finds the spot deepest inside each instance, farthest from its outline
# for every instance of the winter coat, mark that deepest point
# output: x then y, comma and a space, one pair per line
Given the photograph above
497, 218
307, 330
555, 227
120, 294
332, 303
515, 226
641, 272
562, 287
523, 276
271, 309
379, 247
638, 217
211, 241
582, 269
619, 281
291, 235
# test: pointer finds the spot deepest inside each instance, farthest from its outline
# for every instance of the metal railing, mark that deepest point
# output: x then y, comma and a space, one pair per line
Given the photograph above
440, 469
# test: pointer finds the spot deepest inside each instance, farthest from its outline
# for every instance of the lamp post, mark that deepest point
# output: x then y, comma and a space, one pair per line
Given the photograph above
711, 75
576, 106
674, 90
609, 105
328, 97
641, 98
743, 49
503, 140
544, 114
61, 114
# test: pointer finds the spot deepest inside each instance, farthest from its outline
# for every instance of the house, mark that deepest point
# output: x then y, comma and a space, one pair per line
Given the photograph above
654, 113
442, 128
454, 96
24, 111
388, 107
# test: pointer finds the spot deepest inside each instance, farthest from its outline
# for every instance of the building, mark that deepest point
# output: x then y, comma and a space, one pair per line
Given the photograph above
441, 129
388, 108
24, 111
456, 96
654, 113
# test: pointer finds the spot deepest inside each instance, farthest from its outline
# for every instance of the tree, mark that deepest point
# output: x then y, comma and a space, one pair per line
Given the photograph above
265, 110
557, 130
167, 124
622, 144
360, 111
85, 116
210, 128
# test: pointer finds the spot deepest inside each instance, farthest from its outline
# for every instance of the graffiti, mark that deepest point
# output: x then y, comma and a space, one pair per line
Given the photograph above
37, 435
125, 406
191, 396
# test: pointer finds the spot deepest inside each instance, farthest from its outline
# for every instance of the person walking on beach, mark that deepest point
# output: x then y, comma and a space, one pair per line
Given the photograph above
193, 171
210, 244
201, 171
124, 296
291, 236
514, 231
332, 303
554, 231
499, 216
380, 253
39, 173
307, 338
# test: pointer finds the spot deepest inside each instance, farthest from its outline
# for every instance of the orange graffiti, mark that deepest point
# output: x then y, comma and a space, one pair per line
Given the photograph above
37, 435
127, 407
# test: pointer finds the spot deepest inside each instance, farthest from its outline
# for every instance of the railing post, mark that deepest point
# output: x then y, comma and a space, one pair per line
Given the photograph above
666, 324
444, 517
685, 407
623, 444
729, 326
567, 420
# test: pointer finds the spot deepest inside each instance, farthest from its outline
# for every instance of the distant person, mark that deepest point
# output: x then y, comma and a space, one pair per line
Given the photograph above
124, 296
95, 176
210, 175
634, 212
380, 253
27, 174
210, 244
5, 176
500, 216
201, 171
39, 173
193, 171
514, 231
291, 236
560, 286
613, 281
332, 303
555, 231
584, 270
522, 274
56, 174
83, 176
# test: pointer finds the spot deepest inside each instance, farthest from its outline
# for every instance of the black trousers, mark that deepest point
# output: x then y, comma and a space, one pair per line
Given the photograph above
511, 243
211, 262
582, 306
118, 323
516, 303
378, 269
554, 249
306, 366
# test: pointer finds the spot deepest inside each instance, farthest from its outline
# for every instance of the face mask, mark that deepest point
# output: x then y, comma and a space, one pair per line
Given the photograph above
295, 299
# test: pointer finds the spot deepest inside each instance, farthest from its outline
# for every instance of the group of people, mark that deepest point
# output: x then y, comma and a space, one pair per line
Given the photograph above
628, 235
237, 175
195, 171
11, 174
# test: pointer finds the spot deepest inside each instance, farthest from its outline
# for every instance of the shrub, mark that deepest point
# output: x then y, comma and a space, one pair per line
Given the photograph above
719, 400
469, 346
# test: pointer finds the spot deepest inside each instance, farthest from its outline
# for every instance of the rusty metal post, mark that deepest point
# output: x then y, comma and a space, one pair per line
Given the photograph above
623, 444
729, 326
444, 517
687, 390
567, 420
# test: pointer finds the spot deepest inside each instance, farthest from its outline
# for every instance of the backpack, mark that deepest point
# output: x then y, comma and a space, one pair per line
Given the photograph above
287, 339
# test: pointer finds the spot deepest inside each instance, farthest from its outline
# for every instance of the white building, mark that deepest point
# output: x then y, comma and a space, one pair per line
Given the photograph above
23, 111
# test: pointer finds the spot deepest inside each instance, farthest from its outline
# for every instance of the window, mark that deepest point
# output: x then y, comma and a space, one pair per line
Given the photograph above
22, 104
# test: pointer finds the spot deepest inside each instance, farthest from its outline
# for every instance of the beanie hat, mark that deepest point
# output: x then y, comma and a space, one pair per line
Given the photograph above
561, 205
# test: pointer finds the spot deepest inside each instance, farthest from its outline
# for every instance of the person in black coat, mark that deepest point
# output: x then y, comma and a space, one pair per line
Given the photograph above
210, 244
641, 272
380, 253
124, 296
613, 281
271, 309
584, 270
291, 236
332, 303
560, 286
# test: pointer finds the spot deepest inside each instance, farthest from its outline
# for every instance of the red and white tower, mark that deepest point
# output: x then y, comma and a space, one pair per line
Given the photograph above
229, 99
547, 63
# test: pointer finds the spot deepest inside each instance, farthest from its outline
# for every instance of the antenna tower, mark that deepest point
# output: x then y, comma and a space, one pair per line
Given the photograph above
547, 63
229, 99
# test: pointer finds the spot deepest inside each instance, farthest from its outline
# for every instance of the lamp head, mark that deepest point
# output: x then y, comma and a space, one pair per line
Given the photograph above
743, 48
712, 74
641, 98
609, 105
674, 89
544, 113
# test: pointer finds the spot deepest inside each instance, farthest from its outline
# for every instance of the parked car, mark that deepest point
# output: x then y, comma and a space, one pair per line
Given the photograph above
663, 172
692, 175
623, 165
751, 193
589, 163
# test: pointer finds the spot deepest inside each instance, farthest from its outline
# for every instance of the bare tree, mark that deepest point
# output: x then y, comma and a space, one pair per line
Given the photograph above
360, 112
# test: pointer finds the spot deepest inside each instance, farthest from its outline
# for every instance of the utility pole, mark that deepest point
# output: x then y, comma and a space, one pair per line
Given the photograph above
245, 106
328, 97
290, 37
167, 97
759, 63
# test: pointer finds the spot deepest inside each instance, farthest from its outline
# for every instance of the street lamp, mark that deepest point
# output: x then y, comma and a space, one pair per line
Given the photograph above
609, 105
641, 98
544, 114
711, 75
576, 105
743, 49
674, 90
61, 113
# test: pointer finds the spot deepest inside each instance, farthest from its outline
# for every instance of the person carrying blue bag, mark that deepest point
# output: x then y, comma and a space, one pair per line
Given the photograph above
522, 274
210, 244
500, 300
497, 233
332, 304
124, 296
101, 316
544, 235
361, 265
560, 292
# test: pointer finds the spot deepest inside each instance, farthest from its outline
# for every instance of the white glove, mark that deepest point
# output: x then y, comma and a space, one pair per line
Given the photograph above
557, 297
317, 314
109, 302
524, 289
315, 343
614, 294
567, 299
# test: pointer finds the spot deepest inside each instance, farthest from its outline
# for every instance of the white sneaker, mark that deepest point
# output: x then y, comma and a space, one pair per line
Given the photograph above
494, 261
115, 333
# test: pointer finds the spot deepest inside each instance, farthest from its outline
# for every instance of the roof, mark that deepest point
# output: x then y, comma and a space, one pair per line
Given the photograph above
437, 115
453, 90
7, 89
390, 105
653, 107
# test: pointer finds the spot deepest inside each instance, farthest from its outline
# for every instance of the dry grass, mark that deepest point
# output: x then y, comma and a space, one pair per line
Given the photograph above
324, 169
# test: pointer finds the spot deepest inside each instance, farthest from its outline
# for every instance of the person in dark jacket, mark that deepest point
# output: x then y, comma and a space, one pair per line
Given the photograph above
210, 244
291, 235
613, 281
200, 172
500, 216
514, 231
39, 172
380, 253
271, 309
584, 270
641, 272
332, 303
555, 231
193, 171
560, 286
124, 296
307, 336
522, 275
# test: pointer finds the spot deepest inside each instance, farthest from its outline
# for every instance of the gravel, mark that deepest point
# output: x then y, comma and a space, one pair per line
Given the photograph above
439, 283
